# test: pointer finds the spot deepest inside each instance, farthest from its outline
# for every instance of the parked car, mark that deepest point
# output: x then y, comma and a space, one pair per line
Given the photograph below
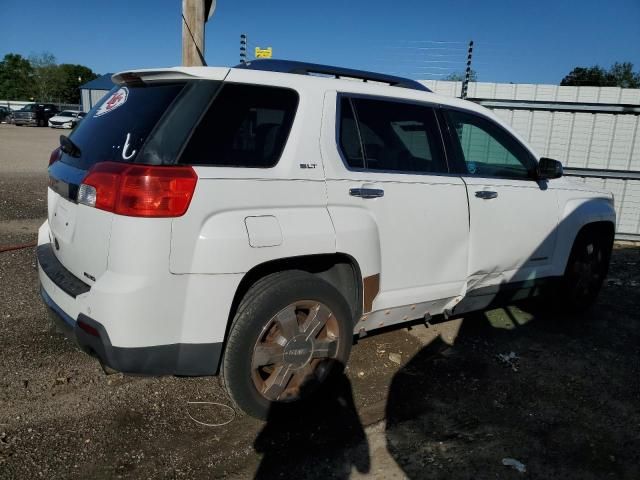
66, 119
37, 114
5, 114
253, 221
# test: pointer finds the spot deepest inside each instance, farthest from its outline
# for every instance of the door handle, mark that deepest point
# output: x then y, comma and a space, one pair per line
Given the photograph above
366, 192
486, 194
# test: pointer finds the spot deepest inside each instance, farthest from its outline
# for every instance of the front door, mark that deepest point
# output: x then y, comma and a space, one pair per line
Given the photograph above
513, 216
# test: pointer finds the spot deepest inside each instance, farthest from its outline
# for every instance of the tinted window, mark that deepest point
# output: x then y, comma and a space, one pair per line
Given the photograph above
118, 126
246, 126
397, 136
488, 150
349, 137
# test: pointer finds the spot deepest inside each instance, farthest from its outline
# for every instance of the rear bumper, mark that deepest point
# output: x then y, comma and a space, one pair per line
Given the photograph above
187, 359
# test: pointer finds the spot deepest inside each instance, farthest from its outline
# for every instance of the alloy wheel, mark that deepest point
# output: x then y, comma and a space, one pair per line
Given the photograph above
295, 350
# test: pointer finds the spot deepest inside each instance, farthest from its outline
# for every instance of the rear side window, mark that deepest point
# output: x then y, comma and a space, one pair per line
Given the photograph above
118, 126
392, 136
349, 136
245, 126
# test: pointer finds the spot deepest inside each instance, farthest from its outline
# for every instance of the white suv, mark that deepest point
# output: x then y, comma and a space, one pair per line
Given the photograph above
252, 220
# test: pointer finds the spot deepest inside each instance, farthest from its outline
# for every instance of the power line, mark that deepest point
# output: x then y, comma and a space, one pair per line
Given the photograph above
447, 49
434, 41
434, 68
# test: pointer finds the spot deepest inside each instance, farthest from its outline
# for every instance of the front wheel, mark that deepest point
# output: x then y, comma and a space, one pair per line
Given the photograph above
586, 270
292, 330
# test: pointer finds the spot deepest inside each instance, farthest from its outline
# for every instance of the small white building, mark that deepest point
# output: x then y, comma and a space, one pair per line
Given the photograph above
93, 91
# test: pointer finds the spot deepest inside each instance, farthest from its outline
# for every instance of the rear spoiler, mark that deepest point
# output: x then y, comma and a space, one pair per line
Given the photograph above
151, 75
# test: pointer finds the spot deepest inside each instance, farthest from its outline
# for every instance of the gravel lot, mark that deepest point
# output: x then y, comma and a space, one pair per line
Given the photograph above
566, 403
24, 155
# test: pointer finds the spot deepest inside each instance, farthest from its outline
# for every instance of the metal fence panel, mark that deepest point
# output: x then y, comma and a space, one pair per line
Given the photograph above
595, 128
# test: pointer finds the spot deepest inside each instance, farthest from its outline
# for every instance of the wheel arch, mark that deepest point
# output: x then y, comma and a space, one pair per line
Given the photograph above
578, 216
602, 228
339, 270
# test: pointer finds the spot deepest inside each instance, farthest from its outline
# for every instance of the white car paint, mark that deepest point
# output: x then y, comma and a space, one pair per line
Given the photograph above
65, 119
409, 213
167, 281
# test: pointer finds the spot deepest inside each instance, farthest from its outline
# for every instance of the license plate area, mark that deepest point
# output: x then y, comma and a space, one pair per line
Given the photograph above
63, 220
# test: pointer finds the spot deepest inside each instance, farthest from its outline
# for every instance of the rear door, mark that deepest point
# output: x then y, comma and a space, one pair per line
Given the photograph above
513, 216
390, 169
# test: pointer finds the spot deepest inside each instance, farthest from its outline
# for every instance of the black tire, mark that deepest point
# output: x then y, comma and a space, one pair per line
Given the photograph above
586, 270
256, 320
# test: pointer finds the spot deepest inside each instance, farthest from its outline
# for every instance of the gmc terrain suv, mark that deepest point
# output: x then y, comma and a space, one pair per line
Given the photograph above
250, 221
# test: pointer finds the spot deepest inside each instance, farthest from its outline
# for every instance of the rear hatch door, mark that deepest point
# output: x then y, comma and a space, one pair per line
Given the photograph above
115, 130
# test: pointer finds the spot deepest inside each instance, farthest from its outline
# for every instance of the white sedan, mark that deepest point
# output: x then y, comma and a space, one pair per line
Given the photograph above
66, 119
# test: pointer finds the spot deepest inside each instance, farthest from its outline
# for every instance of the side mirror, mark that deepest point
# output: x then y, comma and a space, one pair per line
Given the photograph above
549, 168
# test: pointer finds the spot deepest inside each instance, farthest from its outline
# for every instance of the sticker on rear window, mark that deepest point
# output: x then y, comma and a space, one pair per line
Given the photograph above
117, 99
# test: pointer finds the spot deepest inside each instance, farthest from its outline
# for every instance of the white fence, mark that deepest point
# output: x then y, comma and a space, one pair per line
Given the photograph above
594, 131
18, 104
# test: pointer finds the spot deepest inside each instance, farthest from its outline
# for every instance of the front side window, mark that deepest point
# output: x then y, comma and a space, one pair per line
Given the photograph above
390, 136
245, 126
487, 150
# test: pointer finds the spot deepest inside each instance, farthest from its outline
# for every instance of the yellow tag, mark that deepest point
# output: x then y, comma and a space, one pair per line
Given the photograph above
264, 52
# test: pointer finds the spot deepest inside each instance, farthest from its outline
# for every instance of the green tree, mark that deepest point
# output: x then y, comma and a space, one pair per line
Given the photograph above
622, 75
16, 78
71, 77
460, 76
619, 75
46, 77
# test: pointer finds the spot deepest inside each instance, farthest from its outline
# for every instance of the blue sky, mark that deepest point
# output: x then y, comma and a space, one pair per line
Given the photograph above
516, 41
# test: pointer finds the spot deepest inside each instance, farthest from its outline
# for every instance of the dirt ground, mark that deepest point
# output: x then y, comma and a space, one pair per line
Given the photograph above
559, 395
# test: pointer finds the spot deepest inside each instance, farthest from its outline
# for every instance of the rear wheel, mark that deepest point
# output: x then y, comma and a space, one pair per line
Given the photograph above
586, 270
291, 332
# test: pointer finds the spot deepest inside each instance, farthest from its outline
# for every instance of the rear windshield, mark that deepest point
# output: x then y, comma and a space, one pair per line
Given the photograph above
117, 127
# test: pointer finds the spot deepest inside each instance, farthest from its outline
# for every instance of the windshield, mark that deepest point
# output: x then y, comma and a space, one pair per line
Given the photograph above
67, 113
28, 108
118, 126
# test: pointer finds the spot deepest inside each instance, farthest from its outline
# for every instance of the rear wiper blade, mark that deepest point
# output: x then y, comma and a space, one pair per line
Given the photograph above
68, 147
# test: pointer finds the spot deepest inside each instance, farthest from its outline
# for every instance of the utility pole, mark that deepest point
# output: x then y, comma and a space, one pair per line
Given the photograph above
243, 48
465, 84
194, 14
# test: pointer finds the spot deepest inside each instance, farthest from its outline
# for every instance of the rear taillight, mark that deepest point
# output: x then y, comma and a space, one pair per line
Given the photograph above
138, 190
55, 156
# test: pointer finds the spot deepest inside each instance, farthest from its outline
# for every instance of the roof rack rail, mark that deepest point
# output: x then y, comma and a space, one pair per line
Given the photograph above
303, 68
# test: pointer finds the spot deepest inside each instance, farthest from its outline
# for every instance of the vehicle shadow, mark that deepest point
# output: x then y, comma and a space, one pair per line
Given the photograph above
320, 438
522, 382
